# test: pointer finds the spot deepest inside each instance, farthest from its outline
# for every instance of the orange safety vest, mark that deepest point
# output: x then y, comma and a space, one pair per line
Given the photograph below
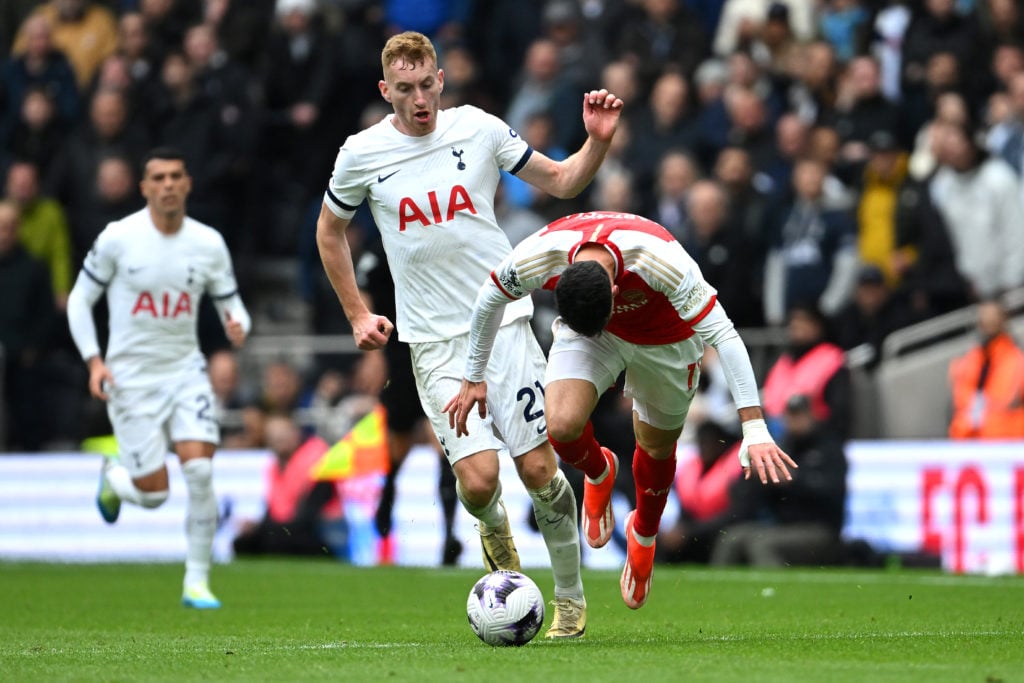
807, 376
706, 494
286, 487
996, 411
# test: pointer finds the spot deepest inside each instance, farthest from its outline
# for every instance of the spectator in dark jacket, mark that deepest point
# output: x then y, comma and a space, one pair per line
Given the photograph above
813, 256
27, 318
873, 315
799, 522
662, 34
108, 131
41, 65
722, 253
938, 27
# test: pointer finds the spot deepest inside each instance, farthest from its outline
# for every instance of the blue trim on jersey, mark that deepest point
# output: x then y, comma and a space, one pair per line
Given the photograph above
221, 297
343, 205
95, 279
522, 161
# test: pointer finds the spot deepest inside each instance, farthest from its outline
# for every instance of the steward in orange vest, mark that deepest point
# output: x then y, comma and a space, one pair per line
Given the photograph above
988, 383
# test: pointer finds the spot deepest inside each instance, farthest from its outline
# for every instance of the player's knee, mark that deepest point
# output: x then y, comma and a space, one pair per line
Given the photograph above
198, 473
153, 499
537, 470
565, 428
477, 490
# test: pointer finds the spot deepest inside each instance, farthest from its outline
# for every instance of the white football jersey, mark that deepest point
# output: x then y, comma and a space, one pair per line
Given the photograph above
154, 283
433, 200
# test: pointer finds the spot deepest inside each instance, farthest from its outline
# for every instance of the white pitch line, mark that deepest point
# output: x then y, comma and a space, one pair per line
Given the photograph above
847, 578
887, 635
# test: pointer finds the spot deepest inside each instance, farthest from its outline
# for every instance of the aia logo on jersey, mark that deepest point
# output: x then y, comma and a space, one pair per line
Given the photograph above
632, 299
166, 305
411, 211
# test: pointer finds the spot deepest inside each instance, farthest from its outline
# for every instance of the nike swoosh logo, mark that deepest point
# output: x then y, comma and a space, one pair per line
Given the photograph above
382, 178
543, 428
132, 271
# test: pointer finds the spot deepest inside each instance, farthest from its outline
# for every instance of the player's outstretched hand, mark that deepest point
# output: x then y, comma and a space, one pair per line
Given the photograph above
233, 330
459, 406
99, 375
601, 111
769, 461
372, 332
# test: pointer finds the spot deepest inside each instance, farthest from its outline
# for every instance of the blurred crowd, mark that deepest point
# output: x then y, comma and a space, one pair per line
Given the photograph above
860, 159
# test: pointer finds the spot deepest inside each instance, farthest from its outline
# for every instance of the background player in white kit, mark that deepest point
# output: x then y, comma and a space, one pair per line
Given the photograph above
629, 298
430, 178
154, 266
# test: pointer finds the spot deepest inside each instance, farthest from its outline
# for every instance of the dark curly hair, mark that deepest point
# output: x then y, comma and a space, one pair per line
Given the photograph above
583, 297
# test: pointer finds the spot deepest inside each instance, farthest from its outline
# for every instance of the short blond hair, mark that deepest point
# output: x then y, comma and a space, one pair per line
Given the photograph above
411, 47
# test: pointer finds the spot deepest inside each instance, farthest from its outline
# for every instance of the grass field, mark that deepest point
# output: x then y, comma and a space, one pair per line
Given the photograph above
319, 621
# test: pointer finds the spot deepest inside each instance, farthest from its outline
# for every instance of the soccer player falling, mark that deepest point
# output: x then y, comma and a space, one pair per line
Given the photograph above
629, 298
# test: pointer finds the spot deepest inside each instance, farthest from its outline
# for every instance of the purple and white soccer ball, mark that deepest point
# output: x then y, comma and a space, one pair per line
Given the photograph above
505, 608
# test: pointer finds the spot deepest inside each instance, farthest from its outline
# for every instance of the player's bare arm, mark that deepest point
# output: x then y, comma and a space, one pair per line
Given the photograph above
470, 394
370, 331
763, 455
566, 179
234, 330
98, 374
483, 328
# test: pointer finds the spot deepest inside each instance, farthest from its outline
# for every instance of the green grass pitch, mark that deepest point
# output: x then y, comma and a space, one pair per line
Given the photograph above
322, 621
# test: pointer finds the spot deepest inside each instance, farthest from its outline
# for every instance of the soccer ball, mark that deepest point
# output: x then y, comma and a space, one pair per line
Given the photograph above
505, 608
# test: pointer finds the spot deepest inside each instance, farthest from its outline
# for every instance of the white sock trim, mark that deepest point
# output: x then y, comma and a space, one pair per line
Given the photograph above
491, 515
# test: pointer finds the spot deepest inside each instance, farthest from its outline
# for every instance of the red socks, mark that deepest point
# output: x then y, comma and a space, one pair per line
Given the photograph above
654, 479
584, 453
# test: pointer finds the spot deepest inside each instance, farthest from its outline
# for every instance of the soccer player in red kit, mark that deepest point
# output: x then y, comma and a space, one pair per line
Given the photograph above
629, 298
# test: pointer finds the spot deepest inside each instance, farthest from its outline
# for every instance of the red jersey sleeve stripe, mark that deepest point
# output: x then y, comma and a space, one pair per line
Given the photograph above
704, 312
494, 279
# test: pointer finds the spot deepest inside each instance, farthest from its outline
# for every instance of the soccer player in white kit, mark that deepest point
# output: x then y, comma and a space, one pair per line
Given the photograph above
155, 265
430, 178
629, 298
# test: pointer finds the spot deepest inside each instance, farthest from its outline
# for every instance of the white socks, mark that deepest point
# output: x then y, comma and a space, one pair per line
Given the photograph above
492, 515
200, 520
119, 480
554, 506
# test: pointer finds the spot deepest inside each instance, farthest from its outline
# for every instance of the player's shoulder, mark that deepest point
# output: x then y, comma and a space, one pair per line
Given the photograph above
371, 137
466, 115
198, 231
124, 228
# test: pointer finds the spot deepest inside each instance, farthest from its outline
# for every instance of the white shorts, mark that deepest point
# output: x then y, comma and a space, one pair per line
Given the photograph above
661, 379
148, 420
515, 393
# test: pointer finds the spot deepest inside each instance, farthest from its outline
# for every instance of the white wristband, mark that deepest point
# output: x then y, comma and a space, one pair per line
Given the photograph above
754, 432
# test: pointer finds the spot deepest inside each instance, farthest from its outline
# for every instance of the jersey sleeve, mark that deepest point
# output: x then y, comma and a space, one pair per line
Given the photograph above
695, 298
344, 191
716, 329
510, 150
97, 271
530, 265
222, 283
506, 277
100, 263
